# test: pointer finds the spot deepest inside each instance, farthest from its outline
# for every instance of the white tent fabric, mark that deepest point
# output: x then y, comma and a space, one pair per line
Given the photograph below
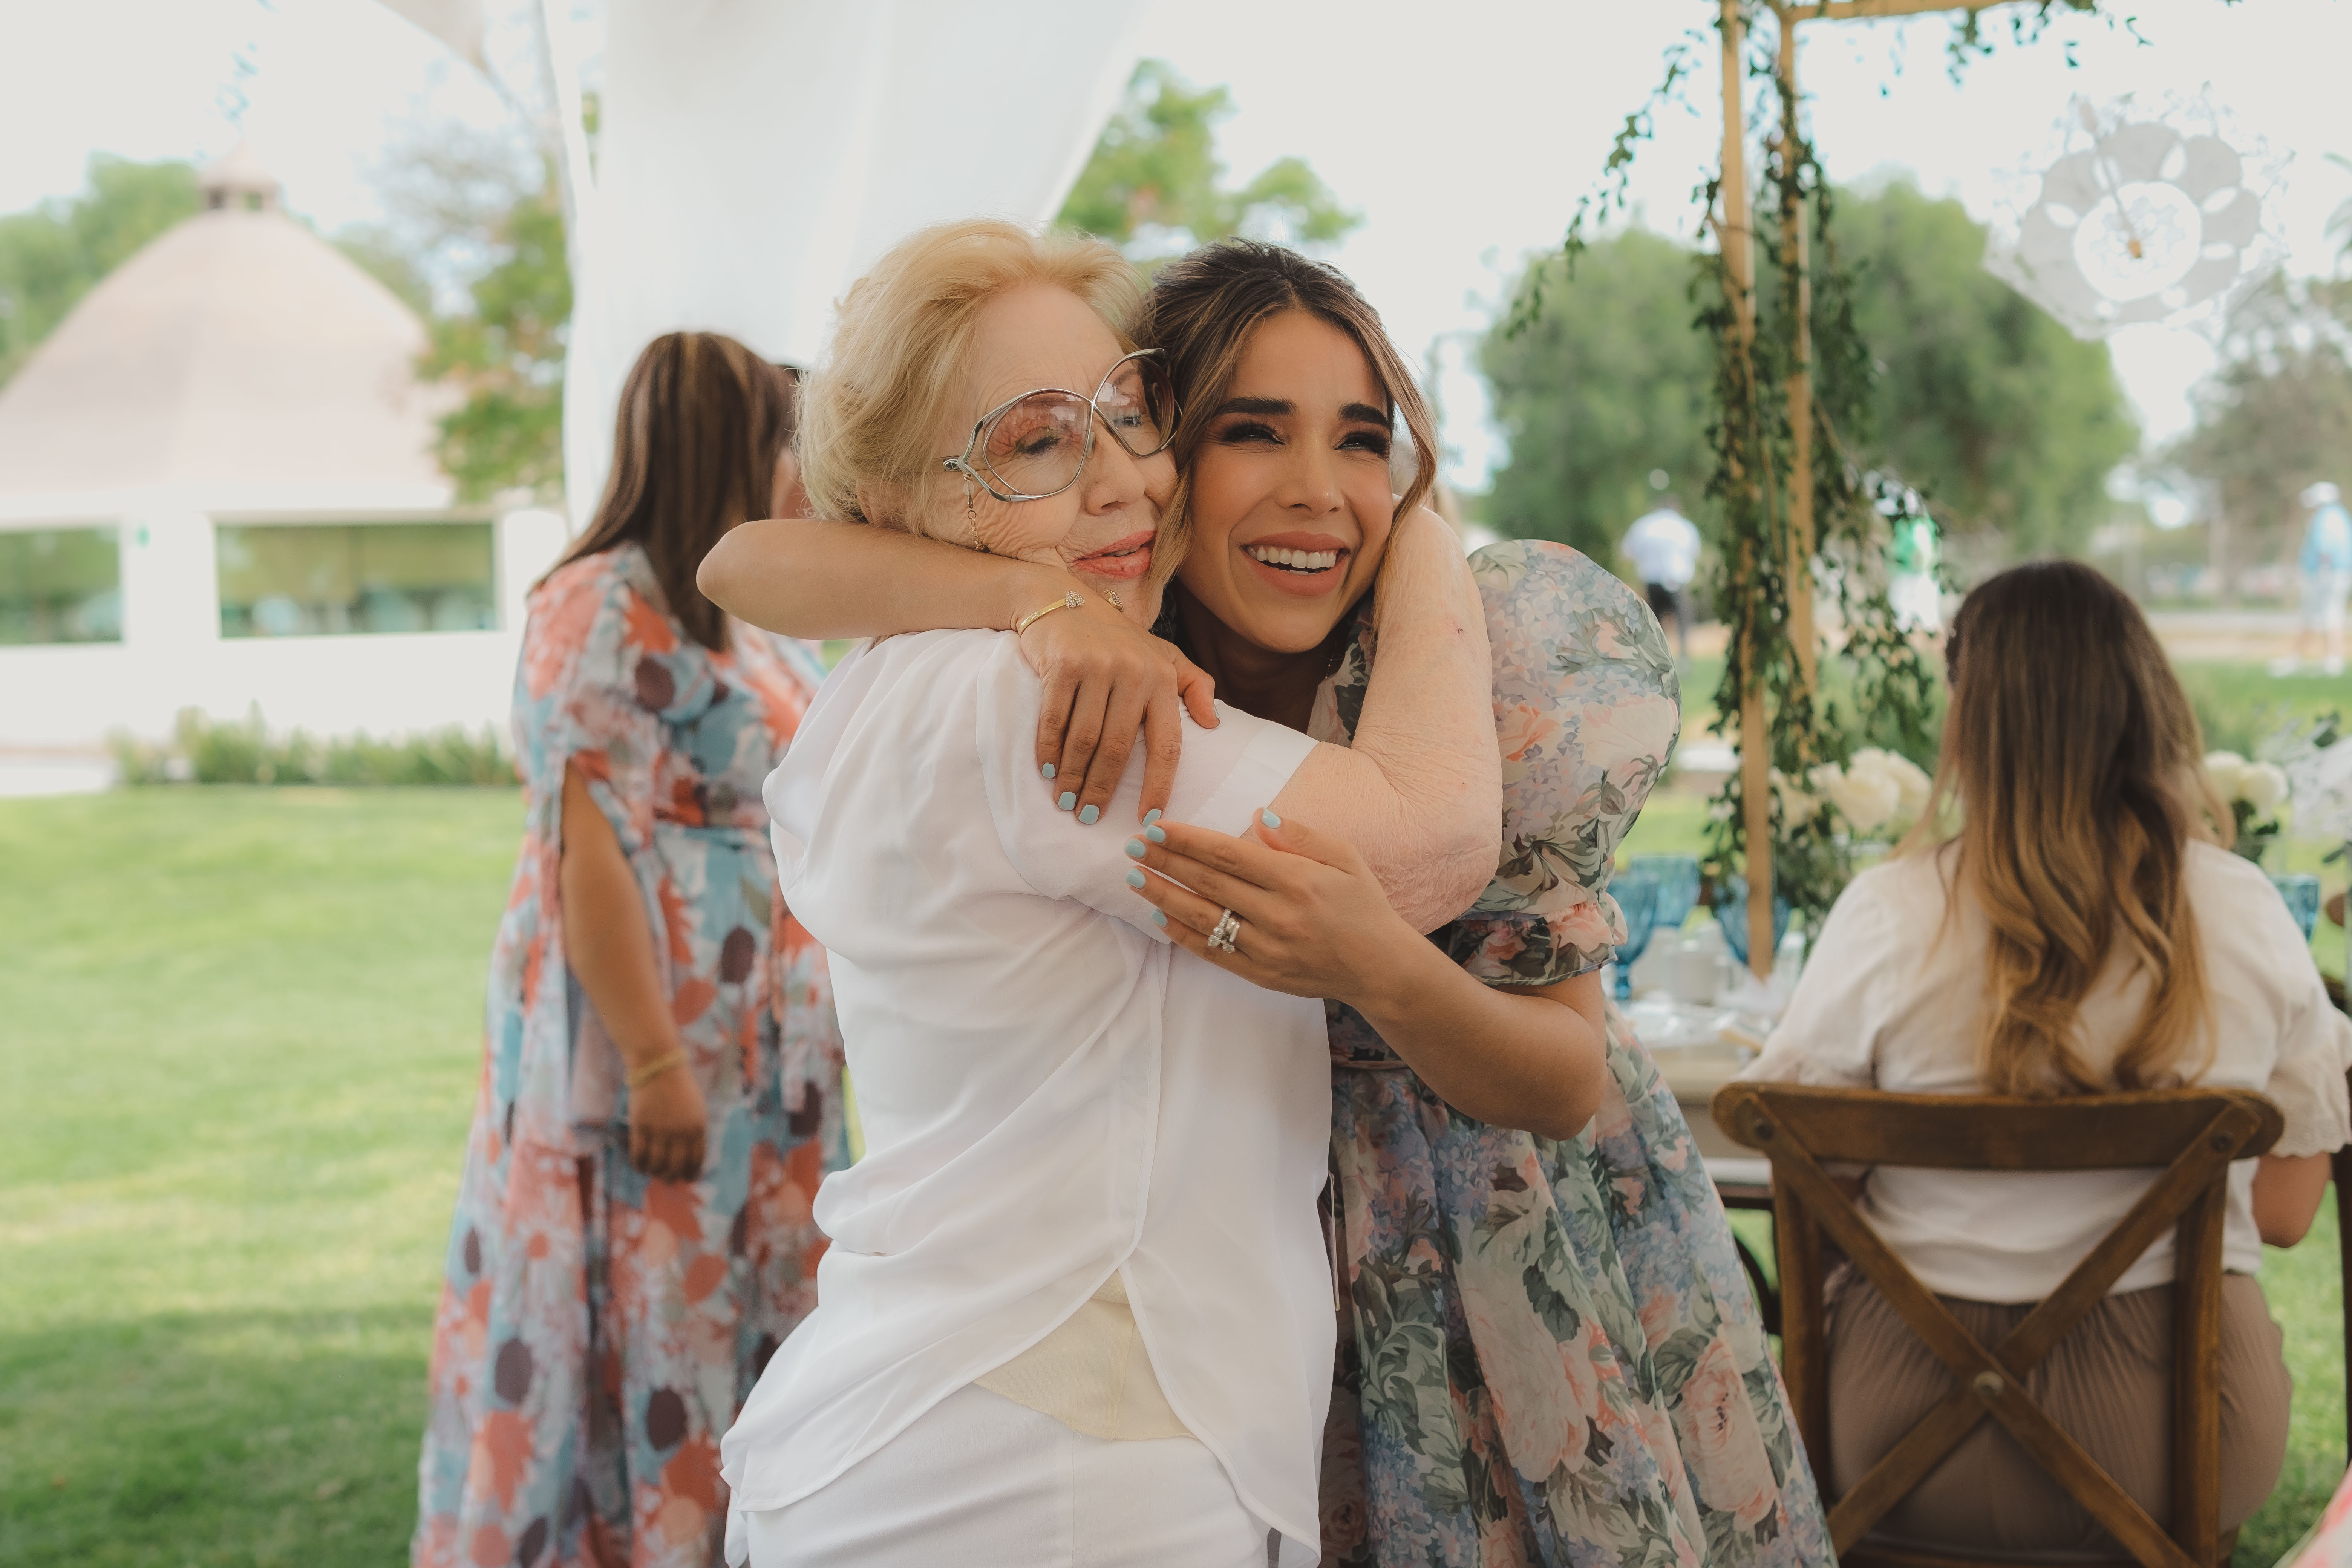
754, 156
460, 23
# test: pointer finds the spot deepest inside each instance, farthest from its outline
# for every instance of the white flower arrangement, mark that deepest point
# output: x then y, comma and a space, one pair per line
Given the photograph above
1877, 792
2262, 785
2254, 791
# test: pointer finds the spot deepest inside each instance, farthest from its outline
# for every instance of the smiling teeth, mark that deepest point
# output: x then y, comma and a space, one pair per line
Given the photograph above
1297, 560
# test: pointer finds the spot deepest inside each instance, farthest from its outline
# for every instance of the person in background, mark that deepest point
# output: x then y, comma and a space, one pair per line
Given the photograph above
2325, 566
1912, 590
1664, 547
661, 1083
2083, 933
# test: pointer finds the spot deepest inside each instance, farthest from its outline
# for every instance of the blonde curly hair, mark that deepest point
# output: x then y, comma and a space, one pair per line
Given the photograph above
869, 413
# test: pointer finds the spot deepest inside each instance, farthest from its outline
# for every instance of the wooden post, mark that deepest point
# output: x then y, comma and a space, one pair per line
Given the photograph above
1755, 736
1796, 235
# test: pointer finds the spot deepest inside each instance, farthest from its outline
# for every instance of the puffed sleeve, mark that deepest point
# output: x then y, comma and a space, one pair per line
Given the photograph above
604, 668
1223, 778
1587, 709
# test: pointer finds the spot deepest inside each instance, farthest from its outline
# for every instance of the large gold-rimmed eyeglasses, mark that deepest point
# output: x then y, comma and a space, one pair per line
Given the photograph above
1036, 445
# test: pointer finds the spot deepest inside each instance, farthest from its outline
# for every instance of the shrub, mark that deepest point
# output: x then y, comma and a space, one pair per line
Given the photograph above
204, 749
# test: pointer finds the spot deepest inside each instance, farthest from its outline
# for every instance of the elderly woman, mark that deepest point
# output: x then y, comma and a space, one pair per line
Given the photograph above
660, 1083
1079, 1307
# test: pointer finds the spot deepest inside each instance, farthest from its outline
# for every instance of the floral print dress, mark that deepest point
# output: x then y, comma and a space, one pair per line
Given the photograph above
1548, 1354
597, 1331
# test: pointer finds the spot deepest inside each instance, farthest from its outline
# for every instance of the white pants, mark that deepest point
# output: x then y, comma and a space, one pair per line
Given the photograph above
981, 1482
2323, 592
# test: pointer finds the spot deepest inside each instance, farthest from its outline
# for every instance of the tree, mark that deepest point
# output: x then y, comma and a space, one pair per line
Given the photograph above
473, 236
54, 253
2007, 423
507, 355
1609, 384
1154, 183
2277, 415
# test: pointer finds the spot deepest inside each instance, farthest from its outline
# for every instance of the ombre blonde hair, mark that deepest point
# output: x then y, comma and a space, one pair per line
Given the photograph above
870, 416
2074, 760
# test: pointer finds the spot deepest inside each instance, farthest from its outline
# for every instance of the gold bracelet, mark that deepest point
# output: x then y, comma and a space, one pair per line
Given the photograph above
642, 1076
1069, 601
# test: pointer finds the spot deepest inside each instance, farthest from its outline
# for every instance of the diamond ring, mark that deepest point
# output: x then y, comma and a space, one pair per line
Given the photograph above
1222, 938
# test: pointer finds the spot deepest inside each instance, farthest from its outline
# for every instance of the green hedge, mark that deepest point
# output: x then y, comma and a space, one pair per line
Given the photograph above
204, 750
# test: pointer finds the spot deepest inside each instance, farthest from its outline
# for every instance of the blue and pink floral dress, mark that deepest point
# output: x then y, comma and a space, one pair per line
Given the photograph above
1548, 1353
597, 1331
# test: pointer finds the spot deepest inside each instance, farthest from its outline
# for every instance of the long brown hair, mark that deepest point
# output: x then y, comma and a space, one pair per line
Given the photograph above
1202, 308
2074, 761
703, 420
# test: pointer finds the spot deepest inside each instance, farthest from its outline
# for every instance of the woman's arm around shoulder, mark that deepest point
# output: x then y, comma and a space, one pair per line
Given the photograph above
1105, 680
1419, 793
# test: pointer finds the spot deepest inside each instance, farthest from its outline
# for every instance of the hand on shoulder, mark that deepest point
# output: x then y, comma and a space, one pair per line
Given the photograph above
1106, 680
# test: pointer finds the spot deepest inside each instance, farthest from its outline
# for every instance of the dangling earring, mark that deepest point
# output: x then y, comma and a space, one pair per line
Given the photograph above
972, 519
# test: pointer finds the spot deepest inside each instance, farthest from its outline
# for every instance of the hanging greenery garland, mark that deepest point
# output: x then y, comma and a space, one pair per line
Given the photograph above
1809, 505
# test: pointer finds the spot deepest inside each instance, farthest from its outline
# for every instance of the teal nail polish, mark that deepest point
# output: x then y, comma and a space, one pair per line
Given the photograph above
1089, 815
1135, 849
1151, 816
1157, 834
1269, 819
1135, 878
1159, 916
1069, 798
1046, 768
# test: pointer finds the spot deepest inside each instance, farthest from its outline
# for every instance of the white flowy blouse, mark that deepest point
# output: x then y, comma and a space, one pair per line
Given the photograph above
1895, 999
1051, 1091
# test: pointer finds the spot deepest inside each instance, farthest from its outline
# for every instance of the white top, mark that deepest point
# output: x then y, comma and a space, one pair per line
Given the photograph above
1050, 1089
1664, 547
1887, 1004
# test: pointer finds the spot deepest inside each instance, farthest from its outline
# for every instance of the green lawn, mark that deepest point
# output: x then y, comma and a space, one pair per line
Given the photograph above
238, 1037
241, 1036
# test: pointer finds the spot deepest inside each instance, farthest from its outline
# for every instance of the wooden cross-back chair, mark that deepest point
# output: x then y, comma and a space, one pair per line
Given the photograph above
2191, 1134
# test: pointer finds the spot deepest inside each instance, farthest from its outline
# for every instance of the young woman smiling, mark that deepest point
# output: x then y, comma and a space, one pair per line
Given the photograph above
1546, 1350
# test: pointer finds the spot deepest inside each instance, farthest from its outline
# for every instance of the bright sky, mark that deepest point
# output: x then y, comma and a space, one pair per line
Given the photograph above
1464, 133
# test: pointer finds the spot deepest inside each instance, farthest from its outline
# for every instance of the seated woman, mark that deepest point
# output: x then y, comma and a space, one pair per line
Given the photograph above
1078, 1307
2081, 934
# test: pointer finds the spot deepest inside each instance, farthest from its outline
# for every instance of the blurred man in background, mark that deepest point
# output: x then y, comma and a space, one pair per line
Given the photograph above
1664, 547
2326, 569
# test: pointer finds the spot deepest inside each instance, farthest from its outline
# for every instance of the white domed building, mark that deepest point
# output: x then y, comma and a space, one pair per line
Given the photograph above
217, 489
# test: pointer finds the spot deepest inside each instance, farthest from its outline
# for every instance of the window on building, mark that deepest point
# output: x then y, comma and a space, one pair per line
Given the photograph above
61, 585
282, 580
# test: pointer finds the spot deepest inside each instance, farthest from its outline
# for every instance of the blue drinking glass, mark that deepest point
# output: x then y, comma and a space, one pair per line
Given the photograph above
1636, 889
2302, 896
1731, 914
1678, 880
